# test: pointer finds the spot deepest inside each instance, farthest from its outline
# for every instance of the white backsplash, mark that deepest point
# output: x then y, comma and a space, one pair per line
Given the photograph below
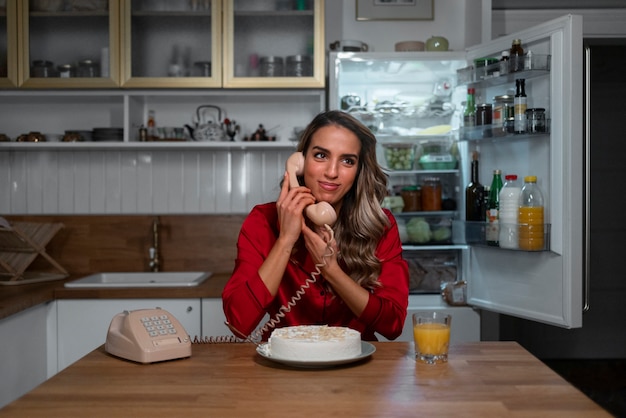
162, 181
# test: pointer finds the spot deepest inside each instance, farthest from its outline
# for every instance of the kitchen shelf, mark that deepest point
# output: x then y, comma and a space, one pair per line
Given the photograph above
148, 145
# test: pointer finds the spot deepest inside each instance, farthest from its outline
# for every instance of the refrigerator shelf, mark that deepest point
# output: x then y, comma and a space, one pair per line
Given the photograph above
492, 132
475, 235
536, 65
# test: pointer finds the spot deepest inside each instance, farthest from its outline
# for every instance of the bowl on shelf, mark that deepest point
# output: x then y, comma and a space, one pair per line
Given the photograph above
399, 156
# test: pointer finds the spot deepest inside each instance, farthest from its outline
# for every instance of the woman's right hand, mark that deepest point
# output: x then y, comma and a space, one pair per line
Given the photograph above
290, 206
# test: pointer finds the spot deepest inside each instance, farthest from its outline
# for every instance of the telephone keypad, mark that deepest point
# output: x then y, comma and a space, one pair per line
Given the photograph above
158, 325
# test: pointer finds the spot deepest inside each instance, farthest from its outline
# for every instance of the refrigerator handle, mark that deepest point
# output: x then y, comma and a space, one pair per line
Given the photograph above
587, 179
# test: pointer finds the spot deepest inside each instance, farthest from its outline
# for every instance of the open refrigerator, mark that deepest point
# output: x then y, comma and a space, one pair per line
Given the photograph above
417, 99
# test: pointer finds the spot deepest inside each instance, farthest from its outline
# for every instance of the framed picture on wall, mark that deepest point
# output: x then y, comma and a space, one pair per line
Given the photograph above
394, 10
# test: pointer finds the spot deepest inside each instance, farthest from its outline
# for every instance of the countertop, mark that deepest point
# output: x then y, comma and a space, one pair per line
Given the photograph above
232, 380
16, 298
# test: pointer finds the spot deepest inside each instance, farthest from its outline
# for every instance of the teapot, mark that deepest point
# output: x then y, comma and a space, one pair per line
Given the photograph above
211, 130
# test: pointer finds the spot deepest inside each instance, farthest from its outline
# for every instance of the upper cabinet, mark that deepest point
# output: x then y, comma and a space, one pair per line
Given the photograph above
68, 43
274, 43
174, 44
162, 44
8, 43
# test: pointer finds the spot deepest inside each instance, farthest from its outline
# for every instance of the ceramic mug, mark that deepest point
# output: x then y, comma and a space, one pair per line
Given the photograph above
349, 46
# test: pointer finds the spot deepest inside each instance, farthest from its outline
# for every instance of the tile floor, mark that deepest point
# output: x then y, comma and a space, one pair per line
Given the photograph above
604, 381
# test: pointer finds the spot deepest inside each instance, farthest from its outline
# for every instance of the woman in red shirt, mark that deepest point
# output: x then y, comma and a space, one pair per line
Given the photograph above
363, 279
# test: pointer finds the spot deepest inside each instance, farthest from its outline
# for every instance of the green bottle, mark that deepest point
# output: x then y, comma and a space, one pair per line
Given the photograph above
493, 208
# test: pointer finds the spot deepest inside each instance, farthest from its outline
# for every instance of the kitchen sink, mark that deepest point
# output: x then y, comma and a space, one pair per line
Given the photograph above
141, 279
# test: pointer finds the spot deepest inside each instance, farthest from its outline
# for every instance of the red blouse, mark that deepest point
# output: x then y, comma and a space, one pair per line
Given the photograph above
246, 299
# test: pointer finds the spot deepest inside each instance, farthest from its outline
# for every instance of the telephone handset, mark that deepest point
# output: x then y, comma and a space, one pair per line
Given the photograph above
147, 336
321, 213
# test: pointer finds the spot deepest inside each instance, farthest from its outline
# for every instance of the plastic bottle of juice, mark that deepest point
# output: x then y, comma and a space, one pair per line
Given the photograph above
531, 222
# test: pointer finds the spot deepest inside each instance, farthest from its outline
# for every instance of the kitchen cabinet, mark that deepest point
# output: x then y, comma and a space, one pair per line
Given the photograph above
274, 44
213, 319
169, 44
73, 44
465, 320
82, 324
161, 44
24, 351
8, 44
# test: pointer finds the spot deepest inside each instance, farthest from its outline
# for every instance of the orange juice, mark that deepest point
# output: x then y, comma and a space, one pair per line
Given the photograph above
531, 228
431, 338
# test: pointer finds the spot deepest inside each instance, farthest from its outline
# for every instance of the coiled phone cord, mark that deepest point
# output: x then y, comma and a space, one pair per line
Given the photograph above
256, 336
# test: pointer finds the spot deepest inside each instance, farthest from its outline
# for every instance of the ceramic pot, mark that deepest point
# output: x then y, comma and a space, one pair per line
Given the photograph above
437, 43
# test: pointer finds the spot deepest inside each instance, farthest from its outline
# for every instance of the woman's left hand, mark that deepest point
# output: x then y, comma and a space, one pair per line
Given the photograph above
318, 242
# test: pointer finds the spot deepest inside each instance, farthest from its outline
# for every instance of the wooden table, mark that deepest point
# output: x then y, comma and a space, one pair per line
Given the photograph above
231, 380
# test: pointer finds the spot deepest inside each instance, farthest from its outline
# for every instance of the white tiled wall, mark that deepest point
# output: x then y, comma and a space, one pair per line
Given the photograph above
163, 181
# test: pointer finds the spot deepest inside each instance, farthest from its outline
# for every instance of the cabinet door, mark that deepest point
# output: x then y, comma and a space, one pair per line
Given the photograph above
23, 352
171, 43
8, 44
274, 43
67, 44
465, 320
83, 323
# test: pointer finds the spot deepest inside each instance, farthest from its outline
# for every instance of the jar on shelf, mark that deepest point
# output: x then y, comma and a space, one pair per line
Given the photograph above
66, 71
298, 66
503, 112
484, 114
88, 68
536, 120
431, 194
412, 197
271, 66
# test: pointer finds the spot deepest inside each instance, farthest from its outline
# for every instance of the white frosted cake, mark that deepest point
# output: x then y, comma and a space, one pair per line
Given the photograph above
314, 343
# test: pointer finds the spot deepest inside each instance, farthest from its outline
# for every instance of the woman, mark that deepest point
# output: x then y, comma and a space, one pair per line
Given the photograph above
363, 280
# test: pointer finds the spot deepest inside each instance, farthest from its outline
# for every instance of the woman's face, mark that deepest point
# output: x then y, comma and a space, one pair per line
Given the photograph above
331, 164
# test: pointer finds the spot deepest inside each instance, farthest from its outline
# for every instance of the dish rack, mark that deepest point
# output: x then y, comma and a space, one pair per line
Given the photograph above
20, 244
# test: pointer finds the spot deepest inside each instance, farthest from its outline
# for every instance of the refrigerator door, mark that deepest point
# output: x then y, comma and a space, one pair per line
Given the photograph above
545, 286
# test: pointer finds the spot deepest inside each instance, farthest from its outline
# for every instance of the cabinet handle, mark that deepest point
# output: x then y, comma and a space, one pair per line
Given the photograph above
189, 309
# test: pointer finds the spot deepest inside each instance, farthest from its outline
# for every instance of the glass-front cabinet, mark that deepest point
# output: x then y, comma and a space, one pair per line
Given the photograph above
8, 44
162, 43
69, 43
274, 43
171, 43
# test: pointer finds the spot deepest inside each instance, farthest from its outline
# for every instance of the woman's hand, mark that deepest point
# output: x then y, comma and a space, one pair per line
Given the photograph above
320, 244
290, 206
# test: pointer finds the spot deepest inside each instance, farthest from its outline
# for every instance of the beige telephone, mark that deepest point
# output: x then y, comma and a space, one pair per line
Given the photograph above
147, 336
321, 213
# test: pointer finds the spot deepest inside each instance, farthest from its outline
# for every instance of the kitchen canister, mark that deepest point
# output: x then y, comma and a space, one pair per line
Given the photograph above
298, 66
271, 66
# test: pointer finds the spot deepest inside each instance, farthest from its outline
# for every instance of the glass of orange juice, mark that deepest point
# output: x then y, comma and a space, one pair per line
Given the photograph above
431, 333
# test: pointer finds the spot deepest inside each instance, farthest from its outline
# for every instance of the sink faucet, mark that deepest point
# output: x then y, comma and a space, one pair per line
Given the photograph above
155, 262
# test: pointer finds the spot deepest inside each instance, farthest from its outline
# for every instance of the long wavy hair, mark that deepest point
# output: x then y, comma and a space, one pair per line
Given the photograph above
361, 222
